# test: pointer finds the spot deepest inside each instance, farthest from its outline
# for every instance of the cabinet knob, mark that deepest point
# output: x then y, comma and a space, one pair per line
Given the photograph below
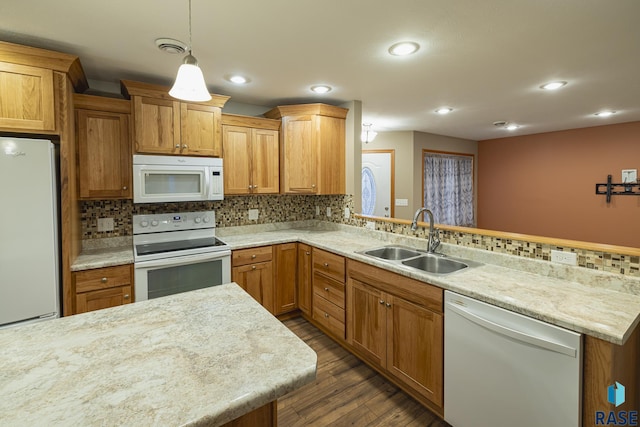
313, 186
326, 289
255, 186
126, 296
124, 188
184, 146
307, 253
253, 256
388, 304
326, 315
177, 145
381, 302
250, 187
104, 280
326, 264
253, 267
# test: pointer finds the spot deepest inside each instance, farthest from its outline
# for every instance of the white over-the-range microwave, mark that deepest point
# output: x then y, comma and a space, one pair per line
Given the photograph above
159, 179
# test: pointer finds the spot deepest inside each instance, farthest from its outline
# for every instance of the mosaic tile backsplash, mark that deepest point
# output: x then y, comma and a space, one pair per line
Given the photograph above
233, 211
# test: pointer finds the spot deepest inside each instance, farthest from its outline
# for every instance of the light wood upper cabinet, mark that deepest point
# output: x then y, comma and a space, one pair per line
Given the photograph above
27, 99
312, 148
27, 91
250, 155
201, 131
104, 147
164, 125
396, 324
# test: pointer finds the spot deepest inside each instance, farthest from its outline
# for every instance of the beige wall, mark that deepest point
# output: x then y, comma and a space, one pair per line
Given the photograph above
353, 158
429, 141
402, 143
408, 148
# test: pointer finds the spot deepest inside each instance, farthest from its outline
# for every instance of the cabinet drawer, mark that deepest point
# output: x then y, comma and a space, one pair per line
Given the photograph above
105, 298
251, 255
329, 315
328, 289
102, 278
329, 264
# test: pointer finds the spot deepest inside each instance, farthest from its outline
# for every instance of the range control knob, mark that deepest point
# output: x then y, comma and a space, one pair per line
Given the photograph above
144, 224
154, 223
207, 219
197, 220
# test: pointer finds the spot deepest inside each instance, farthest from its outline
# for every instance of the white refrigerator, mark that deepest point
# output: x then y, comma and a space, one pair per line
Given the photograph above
29, 260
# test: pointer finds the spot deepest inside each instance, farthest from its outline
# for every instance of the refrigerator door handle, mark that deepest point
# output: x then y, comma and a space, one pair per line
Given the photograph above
512, 333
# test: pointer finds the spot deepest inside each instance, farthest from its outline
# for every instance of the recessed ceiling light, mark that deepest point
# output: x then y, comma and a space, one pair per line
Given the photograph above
404, 48
238, 79
321, 88
444, 110
553, 85
605, 113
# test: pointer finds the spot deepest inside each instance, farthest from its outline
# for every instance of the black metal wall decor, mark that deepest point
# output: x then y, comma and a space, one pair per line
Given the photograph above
624, 189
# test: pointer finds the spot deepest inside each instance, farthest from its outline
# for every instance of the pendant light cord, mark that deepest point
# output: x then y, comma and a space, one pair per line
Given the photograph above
190, 47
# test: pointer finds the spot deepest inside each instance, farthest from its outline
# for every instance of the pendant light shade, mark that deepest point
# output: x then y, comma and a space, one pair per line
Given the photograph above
189, 84
367, 134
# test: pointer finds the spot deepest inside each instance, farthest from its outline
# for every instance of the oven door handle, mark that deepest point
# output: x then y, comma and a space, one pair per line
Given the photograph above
182, 260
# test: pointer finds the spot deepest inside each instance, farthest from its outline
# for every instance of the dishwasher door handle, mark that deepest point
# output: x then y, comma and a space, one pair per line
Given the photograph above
512, 333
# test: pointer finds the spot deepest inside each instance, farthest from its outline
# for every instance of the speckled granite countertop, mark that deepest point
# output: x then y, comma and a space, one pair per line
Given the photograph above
197, 358
603, 305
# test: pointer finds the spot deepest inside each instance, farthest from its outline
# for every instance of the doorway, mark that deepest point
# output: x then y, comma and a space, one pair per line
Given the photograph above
378, 182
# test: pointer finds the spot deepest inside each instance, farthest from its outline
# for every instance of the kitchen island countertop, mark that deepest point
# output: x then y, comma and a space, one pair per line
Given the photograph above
203, 357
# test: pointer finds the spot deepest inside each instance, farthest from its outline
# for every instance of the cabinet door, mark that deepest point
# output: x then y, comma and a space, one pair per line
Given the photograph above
201, 130
332, 152
257, 280
26, 98
299, 154
105, 298
157, 125
236, 159
285, 278
265, 174
104, 153
367, 325
415, 347
304, 278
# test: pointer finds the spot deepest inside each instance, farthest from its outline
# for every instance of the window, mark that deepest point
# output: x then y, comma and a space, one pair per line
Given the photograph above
448, 187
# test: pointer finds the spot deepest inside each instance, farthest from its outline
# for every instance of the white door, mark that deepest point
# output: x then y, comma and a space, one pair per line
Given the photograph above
377, 183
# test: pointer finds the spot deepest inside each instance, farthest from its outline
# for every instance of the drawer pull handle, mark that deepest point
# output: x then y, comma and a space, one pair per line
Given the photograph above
126, 296
104, 280
253, 267
326, 264
381, 302
326, 315
326, 289
253, 256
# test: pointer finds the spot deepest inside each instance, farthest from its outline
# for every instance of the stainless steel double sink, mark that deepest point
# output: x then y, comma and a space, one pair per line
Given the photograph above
420, 260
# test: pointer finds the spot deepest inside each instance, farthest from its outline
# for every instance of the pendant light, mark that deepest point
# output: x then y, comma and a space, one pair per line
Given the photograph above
189, 84
367, 134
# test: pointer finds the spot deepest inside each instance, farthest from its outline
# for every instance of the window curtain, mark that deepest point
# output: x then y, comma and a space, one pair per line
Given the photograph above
448, 188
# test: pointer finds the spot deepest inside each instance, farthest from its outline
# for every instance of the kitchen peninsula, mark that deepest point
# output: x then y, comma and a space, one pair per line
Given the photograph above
204, 357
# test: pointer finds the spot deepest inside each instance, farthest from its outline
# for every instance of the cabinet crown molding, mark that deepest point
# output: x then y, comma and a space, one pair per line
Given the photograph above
131, 88
302, 109
101, 103
42, 58
250, 122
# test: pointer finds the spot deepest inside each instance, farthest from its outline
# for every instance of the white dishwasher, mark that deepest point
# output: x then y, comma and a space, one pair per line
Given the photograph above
505, 369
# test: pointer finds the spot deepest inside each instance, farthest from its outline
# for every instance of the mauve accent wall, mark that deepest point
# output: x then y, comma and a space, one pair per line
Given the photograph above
544, 184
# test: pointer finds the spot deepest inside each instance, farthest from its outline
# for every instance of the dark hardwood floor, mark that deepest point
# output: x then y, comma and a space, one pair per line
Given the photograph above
347, 392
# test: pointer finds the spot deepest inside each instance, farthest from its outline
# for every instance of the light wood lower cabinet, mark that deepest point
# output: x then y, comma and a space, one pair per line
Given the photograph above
304, 278
103, 288
328, 299
252, 269
396, 324
286, 256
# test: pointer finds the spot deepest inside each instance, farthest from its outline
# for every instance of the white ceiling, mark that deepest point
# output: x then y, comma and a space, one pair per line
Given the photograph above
486, 59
